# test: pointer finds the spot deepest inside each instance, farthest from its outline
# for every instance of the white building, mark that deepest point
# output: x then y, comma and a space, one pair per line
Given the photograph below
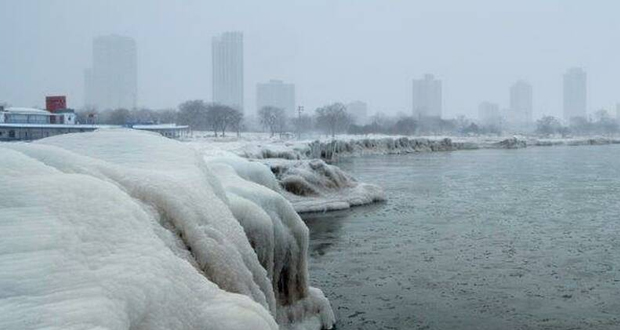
16, 115
29, 124
112, 82
427, 98
26, 124
277, 94
227, 56
521, 104
575, 94
358, 110
489, 115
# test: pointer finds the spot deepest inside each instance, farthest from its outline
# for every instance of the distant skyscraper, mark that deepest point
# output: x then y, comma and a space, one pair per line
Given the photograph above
521, 103
227, 51
113, 80
427, 97
489, 114
575, 94
277, 94
358, 110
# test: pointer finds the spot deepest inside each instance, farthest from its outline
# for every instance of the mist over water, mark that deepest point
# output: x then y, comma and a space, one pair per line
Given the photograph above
486, 239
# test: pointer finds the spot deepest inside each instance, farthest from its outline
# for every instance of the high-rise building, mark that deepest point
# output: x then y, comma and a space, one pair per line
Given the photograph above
521, 103
227, 55
489, 115
358, 110
427, 97
112, 82
277, 94
575, 94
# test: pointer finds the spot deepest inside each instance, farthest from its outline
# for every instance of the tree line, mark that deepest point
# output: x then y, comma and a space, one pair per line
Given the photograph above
332, 119
601, 124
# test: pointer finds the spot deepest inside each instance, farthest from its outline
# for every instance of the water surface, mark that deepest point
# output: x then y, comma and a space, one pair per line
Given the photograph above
485, 239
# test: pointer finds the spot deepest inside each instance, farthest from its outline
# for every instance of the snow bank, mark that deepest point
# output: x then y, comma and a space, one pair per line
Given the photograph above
121, 229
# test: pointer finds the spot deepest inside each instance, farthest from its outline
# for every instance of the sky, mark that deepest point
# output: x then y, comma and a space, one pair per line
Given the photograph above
332, 50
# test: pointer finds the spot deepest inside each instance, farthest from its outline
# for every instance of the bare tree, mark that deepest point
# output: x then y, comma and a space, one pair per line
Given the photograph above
548, 125
333, 118
273, 119
220, 117
119, 117
167, 116
194, 114
235, 120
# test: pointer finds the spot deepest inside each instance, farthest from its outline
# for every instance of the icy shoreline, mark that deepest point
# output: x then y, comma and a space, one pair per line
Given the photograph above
120, 229
312, 185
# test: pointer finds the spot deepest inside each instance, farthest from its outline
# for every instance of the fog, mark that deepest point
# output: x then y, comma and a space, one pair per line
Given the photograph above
332, 50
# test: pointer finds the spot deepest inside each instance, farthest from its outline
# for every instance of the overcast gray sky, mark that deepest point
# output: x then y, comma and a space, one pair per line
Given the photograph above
333, 50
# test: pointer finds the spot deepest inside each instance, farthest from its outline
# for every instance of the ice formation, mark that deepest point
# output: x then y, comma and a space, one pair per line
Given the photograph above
120, 229
313, 186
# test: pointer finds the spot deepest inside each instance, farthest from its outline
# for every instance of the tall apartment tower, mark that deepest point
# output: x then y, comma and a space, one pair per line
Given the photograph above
227, 55
427, 97
521, 103
112, 82
276, 93
489, 115
575, 94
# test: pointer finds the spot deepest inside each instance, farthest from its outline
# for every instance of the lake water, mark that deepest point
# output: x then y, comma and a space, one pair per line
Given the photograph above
484, 239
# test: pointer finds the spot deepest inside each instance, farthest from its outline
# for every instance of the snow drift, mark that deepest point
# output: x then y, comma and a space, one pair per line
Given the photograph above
120, 229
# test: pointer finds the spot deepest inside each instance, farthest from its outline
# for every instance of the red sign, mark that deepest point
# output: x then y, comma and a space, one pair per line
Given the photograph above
53, 103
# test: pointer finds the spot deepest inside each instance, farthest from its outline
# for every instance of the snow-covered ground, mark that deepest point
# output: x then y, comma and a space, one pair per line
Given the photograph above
120, 229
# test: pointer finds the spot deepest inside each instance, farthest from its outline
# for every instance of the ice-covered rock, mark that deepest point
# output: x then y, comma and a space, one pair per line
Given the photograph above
121, 229
511, 143
313, 186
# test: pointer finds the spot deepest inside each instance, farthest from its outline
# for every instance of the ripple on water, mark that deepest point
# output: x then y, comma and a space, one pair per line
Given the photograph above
486, 239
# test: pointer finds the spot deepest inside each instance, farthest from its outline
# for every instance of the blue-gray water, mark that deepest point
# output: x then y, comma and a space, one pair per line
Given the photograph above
486, 239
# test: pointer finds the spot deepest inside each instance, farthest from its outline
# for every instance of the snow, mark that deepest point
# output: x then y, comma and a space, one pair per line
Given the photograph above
120, 229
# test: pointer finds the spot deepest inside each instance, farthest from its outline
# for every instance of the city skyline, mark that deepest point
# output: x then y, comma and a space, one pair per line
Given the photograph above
325, 63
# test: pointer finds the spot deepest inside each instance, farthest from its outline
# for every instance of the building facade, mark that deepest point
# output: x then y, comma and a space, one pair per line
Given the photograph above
276, 93
489, 115
227, 57
112, 82
427, 97
575, 94
521, 103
